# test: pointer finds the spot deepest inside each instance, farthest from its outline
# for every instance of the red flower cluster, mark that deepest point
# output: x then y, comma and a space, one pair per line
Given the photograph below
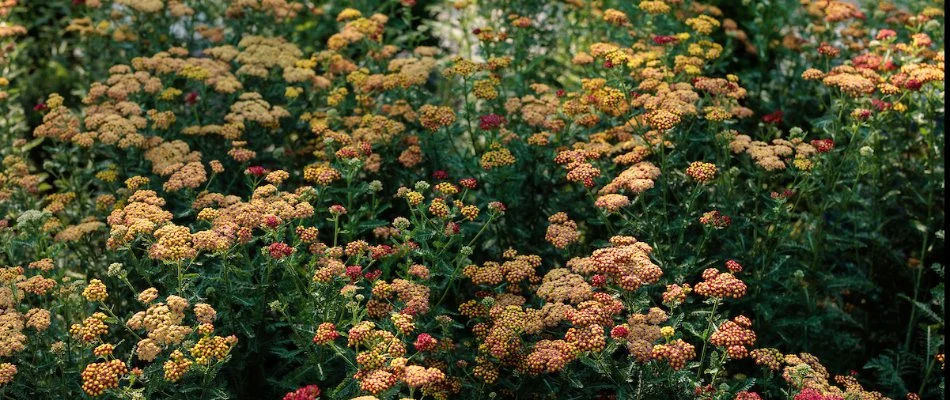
279, 250
309, 392
823, 145
774, 118
425, 342
715, 219
491, 121
733, 266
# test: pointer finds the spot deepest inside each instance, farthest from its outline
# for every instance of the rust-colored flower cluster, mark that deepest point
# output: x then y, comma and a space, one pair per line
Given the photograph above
720, 285
736, 336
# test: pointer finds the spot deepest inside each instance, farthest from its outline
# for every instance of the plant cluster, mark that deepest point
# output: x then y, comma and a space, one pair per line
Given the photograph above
380, 200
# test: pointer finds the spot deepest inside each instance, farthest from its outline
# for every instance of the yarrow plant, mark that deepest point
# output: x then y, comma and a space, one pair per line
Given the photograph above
442, 199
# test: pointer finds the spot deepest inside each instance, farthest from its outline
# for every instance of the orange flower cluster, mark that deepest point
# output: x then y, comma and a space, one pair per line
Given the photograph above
211, 348
382, 360
549, 356
770, 156
517, 269
90, 329
642, 331
560, 285
627, 263
143, 214
95, 291
701, 172
7, 372
99, 377
177, 366
579, 169
562, 231
497, 157
769, 358
675, 294
804, 372
736, 336
720, 285
405, 296
435, 117
636, 179
676, 353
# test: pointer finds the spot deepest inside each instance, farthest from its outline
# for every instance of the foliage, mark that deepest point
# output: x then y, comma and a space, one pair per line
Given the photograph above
610, 199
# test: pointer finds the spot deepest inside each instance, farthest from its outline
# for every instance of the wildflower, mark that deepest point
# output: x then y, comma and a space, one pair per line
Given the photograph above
417, 376
255, 170
715, 219
204, 313
701, 172
326, 333
549, 356
921, 40
768, 357
612, 202
703, 24
676, 353
210, 348
582, 172
654, 7
736, 336
470, 212
667, 331
321, 174
720, 285
425, 342
99, 377
96, 291
435, 117
279, 250
37, 318
598, 280
309, 392
337, 210
446, 188
615, 17
619, 331
773, 118
885, 34
491, 121
103, 350
733, 266
468, 183
828, 50
401, 223
115, 270
438, 208
176, 367
562, 231
823, 145
861, 114
420, 271
662, 120
90, 329
497, 157
497, 207
746, 395
485, 89
7, 372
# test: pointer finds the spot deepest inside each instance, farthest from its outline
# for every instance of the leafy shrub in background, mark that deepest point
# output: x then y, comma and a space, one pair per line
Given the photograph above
655, 199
